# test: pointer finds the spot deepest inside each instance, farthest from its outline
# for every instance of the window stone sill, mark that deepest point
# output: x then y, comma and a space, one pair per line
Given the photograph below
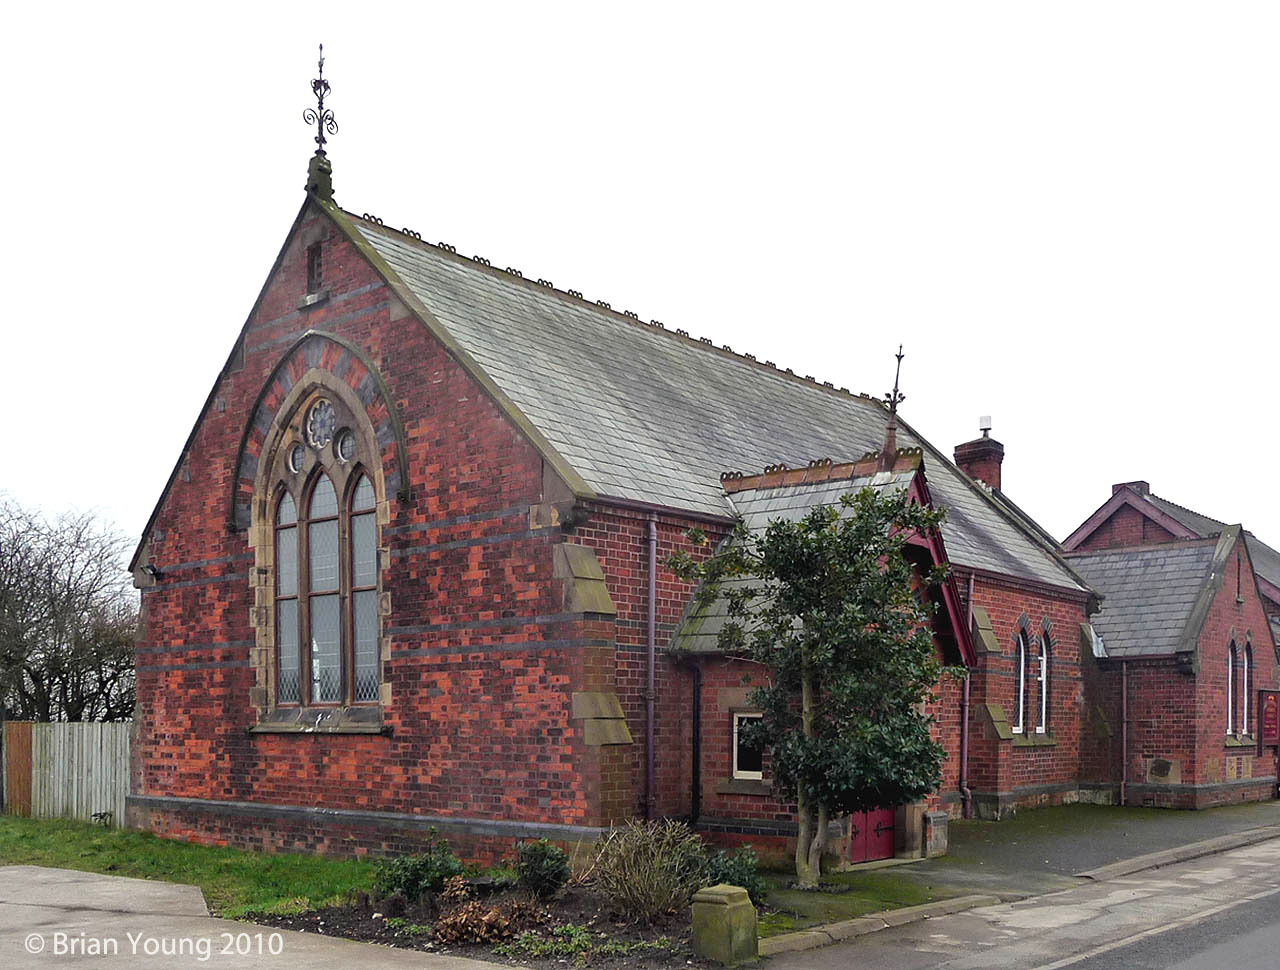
322, 720
744, 786
313, 299
1034, 741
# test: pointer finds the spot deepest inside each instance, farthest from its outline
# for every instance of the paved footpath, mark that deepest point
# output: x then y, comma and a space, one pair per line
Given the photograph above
1089, 926
54, 918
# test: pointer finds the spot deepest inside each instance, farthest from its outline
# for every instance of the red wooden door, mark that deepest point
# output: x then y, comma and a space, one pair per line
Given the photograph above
871, 835
858, 837
880, 833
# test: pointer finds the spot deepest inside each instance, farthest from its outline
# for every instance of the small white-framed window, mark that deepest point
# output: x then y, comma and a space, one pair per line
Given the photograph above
1020, 685
748, 759
1042, 685
1231, 690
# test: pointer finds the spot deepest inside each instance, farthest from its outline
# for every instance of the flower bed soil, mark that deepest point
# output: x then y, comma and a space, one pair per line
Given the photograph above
575, 906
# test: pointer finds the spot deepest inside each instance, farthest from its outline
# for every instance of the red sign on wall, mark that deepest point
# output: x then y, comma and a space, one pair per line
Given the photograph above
1268, 718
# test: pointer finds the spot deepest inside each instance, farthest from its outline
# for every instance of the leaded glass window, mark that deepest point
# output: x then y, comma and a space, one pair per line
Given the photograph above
326, 593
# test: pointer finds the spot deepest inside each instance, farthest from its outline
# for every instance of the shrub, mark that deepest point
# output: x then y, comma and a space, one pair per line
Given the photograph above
456, 890
738, 869
542, 868
476, 922
413, 876
651, 868
473, 922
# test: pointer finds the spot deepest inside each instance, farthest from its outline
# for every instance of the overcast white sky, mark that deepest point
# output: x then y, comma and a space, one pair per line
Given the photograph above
1067, 213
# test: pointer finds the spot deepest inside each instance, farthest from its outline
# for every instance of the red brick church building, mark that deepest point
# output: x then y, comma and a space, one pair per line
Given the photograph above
408, 572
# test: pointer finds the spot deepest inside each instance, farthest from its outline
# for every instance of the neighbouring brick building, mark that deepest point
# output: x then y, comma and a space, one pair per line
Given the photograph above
1187, 634
408, 570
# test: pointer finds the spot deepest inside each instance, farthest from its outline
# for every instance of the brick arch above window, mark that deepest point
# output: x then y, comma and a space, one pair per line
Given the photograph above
318, 358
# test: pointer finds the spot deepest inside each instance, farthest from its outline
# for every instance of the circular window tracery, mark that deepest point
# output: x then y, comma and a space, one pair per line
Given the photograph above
344, 446
320, 423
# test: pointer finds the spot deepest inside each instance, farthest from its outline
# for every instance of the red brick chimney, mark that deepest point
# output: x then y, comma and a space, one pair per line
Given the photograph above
981, 458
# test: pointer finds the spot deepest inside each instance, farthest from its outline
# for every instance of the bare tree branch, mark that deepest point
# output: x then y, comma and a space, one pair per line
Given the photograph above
68, 618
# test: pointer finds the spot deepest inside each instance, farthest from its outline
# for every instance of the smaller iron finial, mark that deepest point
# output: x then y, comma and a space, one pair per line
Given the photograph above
320, 116
894, 398
889, 450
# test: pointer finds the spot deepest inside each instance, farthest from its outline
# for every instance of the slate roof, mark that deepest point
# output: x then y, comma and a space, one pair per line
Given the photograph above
1201, 525
649, 415
1266, 561
700, 627
1151, 595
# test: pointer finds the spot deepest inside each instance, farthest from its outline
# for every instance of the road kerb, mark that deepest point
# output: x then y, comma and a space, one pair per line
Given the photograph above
816, 936
1183, 853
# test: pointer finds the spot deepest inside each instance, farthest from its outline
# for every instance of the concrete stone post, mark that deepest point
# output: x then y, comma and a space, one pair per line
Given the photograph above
724, 925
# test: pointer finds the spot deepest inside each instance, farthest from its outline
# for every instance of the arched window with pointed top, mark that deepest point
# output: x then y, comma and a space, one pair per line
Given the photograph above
1246, 676
1020, 684
327, 566
1042, 685
1231, 689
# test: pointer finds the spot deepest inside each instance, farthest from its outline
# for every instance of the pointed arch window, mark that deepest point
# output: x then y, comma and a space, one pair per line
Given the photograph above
327, 593
1042, 685
1231, 689
1020, 684
1246, 675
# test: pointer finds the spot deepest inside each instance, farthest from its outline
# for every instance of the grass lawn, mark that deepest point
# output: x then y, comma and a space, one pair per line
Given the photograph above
235, 882
844, 896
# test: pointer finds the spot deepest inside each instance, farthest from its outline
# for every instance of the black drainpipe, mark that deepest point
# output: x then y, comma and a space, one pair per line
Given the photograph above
695, 794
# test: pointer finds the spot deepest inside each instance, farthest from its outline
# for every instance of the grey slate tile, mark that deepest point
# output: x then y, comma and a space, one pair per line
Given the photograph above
647, 415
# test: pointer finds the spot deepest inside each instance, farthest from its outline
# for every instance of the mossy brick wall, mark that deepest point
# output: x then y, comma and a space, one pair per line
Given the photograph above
1018, 775
1127, 527
482, 661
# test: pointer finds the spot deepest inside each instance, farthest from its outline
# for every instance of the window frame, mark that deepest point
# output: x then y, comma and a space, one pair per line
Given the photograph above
305, 523
1042, 679
1245, 686
736, 773
301, 483
1231, 689
281, 494
1020, 686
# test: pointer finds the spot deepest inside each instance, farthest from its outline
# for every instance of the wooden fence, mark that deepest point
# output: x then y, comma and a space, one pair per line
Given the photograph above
65, 770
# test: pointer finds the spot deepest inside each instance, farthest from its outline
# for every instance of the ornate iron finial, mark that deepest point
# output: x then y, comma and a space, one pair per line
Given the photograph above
320, 116
889, 449
894, 397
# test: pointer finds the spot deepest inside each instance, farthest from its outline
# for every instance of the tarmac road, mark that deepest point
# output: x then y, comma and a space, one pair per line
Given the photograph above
1217, 912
